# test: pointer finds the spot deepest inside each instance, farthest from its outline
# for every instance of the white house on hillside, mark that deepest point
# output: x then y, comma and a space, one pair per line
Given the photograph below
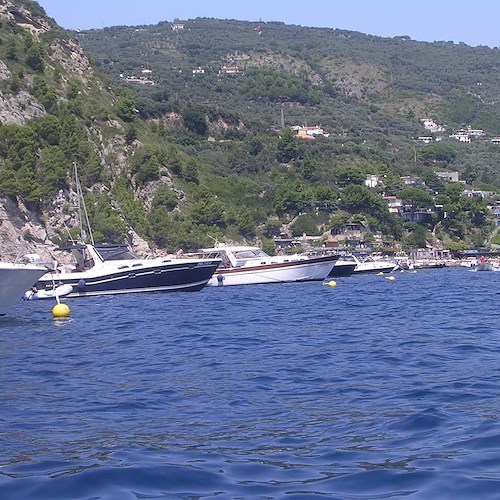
431, 125
449, 176
372, 180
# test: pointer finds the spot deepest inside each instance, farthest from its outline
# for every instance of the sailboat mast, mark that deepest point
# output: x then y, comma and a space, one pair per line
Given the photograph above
82, 210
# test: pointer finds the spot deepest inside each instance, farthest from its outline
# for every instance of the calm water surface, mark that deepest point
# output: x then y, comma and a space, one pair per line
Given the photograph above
372, 389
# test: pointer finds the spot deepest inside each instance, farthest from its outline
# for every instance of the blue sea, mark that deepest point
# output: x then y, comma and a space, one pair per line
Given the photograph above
371, 389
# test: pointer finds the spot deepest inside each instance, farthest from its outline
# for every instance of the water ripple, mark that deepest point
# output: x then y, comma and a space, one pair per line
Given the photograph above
372, 389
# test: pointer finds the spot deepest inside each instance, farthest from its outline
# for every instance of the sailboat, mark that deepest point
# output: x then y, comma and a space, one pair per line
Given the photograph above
103, 269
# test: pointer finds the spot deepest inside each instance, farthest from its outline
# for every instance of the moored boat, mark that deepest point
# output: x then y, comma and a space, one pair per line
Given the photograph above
109, 269
244, 265
483, 265
367, 265
115, 269
342, 268
14, 280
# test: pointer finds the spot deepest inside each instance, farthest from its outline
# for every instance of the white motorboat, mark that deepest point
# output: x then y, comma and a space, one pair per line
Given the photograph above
244, 265
14, 280
115, 269
104, 269
484, 265
368, 265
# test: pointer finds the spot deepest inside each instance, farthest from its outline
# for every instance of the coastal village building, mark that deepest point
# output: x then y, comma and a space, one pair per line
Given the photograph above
394, 204
431, 125
142, 80
352, 234
230, 70
372, 180
412, 180
426, 139
198, 71
418, 215
449, 176
309, 132
495, 211
476, 193
177, 26
464, 135
461, 136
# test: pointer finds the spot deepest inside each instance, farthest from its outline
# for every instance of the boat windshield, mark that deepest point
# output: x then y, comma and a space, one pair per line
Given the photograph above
113, 252
256, 253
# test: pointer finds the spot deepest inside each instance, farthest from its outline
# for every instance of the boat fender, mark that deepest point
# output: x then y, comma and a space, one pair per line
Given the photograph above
30, 294
81, 285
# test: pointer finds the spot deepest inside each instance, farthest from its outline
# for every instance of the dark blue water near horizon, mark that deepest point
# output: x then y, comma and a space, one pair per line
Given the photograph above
371, 389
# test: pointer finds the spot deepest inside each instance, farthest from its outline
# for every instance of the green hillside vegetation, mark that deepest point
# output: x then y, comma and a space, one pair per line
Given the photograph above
205, 155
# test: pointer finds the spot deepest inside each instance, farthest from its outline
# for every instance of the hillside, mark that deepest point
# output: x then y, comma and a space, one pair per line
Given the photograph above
183, 134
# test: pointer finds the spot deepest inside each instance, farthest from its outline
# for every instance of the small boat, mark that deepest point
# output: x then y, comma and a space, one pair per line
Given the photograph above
244, 265
14, 280
485, 266
367, 265
54, 293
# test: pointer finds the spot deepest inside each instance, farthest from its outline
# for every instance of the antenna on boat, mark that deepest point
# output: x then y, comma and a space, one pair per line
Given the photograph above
216, 241
81, 204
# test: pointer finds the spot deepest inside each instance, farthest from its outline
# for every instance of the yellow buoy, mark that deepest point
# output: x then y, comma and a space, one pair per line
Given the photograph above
332, 283
380, 273
60, 311
391, 278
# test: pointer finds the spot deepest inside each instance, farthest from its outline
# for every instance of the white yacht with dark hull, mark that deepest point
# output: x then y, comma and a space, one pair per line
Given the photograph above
367, 265
114, 269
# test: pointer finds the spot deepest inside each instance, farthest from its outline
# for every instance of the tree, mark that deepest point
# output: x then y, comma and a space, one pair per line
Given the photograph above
310, 168
355, 198
305, 224
288, 149
417, 238
349, 175
416, 197
131, 133
11, 49
190, 171
244, 221
293, 196
52, 171
209, 212
125, 107
194, 120
34, 57
165, 197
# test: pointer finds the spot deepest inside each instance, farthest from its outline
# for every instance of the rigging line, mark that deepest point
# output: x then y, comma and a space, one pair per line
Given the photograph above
81, 202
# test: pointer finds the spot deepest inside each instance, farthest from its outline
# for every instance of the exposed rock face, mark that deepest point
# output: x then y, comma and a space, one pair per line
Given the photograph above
4, 71
19, 108
20, 232
138, 245
72, 58
12, 11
